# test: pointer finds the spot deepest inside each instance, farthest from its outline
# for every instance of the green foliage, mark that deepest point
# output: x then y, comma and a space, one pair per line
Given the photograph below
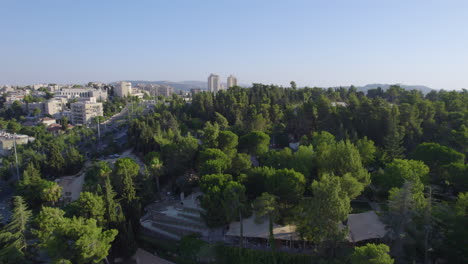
255, 143
255, 180
436, 156
317, 218
221, 121
179, 156
113, 210
342, 158
287, 184
234, 200
230, 255
210, 135
37, 191
399, 171
213, 186
265, 206
301, 161
393, 140
71, 238
456, 174
13, 238
454, 220
212, 161
367, 150
372, 254
322, 137
89, 206
125, 171
241, 163
227, 142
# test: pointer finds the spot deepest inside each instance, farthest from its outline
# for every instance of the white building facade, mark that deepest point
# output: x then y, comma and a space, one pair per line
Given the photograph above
123, 89
213, 83
231, 81
83, 112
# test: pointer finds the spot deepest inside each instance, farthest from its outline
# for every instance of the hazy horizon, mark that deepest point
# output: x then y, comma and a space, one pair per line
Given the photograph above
314, 43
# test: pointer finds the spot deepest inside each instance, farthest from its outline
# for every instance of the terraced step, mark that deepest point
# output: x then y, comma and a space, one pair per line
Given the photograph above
192, 218
178, 220
175, 231
182, 227
191, 210
159, 230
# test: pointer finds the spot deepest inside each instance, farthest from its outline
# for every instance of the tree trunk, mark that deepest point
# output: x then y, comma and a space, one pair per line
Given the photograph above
157, 183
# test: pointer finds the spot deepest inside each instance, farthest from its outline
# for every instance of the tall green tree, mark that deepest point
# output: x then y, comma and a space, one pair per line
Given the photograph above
255, 142
393, 140
90, 206
234, 203
113, 211
318, 217
265, 206
77, 239
13, 239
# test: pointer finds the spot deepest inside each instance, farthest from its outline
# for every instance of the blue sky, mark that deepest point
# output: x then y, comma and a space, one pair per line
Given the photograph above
315, 43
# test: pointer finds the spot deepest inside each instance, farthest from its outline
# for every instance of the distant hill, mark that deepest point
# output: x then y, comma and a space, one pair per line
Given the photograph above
421, 88
187, 85
184, 85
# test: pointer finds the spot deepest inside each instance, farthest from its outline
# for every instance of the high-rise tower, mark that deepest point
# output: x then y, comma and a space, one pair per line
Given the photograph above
213, 83
231, 81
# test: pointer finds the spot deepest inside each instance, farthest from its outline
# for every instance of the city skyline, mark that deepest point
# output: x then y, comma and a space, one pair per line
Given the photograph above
314, 43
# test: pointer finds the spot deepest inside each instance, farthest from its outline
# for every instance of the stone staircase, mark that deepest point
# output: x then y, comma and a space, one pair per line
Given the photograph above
176, 224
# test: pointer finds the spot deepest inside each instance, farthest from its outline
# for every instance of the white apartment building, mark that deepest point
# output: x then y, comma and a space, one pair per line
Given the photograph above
99, 94
231, 81
55, 107
83, 112
123, 89
213, 83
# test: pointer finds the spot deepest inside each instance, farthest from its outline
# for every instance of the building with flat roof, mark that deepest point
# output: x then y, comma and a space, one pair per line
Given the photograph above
99, 94
213, 83
82, 113
55, 106
123, 89
231, 81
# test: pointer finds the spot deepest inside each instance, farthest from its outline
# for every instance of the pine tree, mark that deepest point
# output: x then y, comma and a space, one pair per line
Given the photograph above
13, 236
393, 140
114, 212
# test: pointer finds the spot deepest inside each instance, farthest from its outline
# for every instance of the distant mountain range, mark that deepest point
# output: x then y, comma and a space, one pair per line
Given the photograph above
187, 85
421, 88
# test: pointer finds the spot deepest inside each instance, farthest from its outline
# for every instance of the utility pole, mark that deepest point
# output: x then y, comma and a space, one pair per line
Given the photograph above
98, 119
16, 157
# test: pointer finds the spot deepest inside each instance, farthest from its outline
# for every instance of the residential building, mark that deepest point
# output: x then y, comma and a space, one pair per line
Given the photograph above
47, 121
123, 89
55, 106
38, 86
29, 107
231, 81
7, 141
213, 83
99, 94
195, 91
165, 90
83, 112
